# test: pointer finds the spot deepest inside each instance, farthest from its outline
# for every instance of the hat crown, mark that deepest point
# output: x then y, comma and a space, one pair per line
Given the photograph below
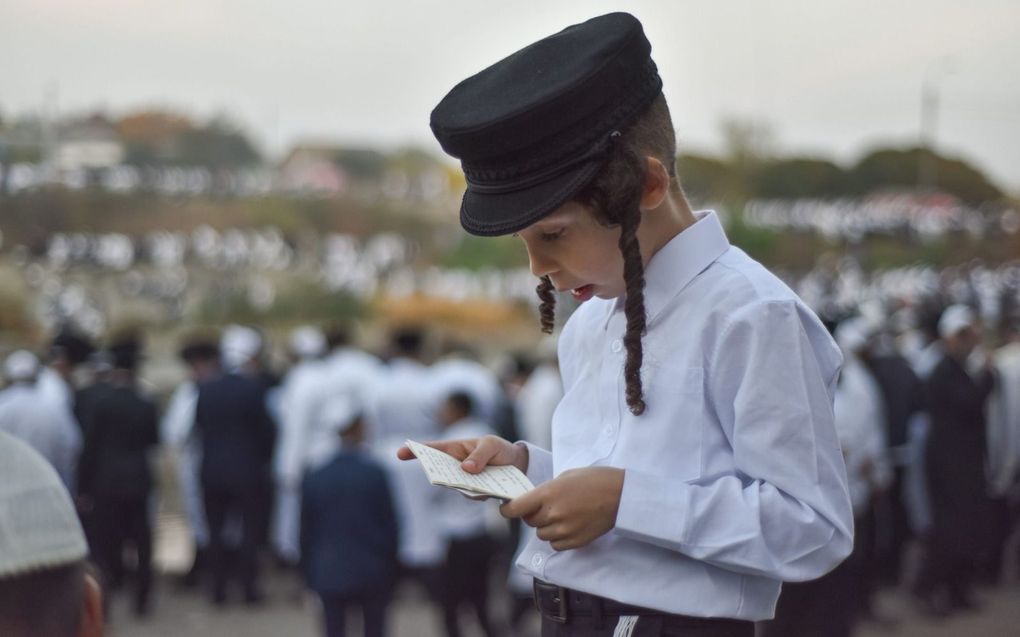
527, 84
537, 124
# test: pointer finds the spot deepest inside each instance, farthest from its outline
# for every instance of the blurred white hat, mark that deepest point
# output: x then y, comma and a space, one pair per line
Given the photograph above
39, 528
853, 334
21, 365
338, 413
239, 344
308, 342
955, 318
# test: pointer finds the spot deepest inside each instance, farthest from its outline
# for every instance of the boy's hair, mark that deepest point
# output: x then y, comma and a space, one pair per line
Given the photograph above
613, 195
44, 603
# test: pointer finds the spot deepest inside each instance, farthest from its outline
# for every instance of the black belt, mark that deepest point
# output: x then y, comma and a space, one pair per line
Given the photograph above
560, 604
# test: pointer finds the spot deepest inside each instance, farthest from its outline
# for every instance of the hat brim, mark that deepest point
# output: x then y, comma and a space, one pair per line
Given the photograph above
495, 214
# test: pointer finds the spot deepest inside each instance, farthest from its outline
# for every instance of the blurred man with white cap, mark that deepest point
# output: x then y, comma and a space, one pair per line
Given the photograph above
237, 437
297, 408
954, 461
46, 425
45, 588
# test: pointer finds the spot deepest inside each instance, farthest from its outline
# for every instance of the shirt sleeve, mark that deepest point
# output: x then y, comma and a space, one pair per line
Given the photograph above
784, 512
540, 465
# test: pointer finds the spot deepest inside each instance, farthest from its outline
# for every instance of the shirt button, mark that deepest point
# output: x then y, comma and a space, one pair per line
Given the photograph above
536, 560
616, 346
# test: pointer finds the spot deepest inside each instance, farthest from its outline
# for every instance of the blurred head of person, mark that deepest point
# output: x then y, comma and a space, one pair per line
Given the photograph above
202, 358
68, 349
307, 343
853, 335
21, 366
456, 408
407, 342
46, 588
960, 331
240, 348
126, 354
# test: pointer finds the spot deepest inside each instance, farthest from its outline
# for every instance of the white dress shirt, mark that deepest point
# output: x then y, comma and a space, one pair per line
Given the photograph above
734, 480
1004, 421
44, 421
177, 428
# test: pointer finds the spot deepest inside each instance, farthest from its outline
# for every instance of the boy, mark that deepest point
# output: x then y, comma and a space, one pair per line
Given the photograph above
349, 529
681, 492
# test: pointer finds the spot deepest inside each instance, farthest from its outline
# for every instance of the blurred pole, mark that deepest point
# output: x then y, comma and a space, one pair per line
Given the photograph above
927, 169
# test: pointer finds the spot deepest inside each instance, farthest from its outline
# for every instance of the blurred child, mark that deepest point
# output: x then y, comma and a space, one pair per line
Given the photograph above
349, 530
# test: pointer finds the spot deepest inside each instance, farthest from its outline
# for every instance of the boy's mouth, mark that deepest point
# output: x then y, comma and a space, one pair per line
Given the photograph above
583, 293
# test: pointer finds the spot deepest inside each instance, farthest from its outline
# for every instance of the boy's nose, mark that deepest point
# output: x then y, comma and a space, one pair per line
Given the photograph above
540, 265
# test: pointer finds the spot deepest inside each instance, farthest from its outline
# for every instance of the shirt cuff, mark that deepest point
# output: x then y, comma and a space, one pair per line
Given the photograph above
540, 467
652, 512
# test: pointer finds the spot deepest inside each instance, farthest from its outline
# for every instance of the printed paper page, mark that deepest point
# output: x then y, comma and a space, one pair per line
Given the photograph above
504, 482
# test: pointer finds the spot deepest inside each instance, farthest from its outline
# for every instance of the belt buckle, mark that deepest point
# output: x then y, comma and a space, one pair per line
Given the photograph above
559, 597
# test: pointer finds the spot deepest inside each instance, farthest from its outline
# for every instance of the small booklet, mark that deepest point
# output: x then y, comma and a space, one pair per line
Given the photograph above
505, 482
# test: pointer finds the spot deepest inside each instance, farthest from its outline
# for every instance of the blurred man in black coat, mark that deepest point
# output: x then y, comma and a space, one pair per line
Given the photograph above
237, 437
954, 460
115, 472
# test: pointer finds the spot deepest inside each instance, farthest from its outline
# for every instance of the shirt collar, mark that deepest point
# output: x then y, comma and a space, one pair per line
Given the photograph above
677, 263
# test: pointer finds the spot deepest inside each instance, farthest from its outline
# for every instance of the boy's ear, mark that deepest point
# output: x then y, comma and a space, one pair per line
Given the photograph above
656, 184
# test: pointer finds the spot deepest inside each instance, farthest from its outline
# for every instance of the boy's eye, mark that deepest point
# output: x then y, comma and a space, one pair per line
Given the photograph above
551, 236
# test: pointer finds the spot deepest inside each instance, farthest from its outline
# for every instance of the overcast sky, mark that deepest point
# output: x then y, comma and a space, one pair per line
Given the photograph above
831, 77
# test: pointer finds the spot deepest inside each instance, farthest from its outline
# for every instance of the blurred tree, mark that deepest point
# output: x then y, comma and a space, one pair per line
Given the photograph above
894, 168
800, 177
219, 144
167, 138
703, 178
151, 137
362, 163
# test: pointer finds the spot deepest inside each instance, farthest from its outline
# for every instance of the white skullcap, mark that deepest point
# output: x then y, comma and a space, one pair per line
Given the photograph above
21, 365
338, 413
853, 334
307, 342
954, 319
239, 345
39, 528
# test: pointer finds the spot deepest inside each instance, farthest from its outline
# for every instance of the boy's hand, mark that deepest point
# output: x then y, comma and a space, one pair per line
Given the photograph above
477, 453
573, 509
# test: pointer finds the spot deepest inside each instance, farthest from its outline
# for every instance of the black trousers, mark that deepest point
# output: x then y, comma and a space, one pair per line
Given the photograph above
117, 523
220, 505
465, 582
373, 613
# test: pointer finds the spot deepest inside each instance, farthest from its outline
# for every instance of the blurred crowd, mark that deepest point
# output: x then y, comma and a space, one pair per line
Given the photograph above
300, 470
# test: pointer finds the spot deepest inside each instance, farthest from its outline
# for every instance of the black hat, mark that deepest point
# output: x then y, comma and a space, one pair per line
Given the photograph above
126, 352
533, 129
71, 345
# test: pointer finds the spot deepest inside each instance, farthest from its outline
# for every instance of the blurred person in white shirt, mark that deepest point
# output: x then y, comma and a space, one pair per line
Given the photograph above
298, 394
43, 421
464, 522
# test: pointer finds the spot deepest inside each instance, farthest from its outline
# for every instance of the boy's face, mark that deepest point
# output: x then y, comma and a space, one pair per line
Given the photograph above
576, 252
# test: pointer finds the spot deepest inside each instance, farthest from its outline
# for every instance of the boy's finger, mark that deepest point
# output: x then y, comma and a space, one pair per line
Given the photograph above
405, 454
480, 456
523, 505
